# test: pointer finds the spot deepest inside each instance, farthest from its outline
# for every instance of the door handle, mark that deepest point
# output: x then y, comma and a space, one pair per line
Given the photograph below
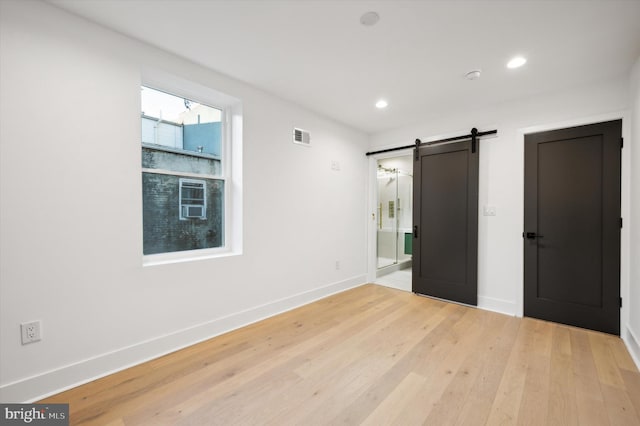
415, 231
531, 235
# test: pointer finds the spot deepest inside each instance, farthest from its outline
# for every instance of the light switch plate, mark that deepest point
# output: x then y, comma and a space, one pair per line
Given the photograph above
489, 210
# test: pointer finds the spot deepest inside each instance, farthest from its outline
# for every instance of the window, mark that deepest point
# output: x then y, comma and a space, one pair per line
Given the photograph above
193, 199
184, 174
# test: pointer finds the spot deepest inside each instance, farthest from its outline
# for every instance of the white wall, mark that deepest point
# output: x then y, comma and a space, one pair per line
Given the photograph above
71, 214
500, 264
77, 266
633, 336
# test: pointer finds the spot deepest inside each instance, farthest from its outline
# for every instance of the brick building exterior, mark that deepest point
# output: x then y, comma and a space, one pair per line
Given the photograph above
164, 229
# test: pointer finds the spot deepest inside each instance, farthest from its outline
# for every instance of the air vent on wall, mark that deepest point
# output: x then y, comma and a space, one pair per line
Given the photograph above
301, 137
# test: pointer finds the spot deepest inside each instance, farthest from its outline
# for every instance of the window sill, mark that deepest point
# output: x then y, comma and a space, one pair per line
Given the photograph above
187, 256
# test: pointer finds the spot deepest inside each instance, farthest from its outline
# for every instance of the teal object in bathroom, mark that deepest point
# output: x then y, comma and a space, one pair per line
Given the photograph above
408, 243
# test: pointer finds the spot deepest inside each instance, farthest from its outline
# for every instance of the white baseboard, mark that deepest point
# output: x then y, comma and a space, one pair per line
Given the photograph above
497, 305
405, 264
633, 345
69, 376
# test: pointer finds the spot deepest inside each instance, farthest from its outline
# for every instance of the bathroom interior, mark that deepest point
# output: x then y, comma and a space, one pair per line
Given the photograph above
394, 221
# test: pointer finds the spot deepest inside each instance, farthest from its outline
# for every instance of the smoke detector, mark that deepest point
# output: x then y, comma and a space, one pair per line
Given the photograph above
369, 19
473, 75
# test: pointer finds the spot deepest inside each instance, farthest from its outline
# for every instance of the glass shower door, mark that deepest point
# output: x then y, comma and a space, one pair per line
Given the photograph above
394, 212
404, 215
387, 244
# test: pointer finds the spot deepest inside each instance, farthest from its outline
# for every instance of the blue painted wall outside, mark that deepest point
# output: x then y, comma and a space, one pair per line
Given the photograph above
206, 135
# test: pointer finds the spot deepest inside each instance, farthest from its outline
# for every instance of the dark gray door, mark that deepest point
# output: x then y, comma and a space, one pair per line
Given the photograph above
572, 226
445, 218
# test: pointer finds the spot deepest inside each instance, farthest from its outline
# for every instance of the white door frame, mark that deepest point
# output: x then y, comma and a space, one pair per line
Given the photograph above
624, 207
372, 260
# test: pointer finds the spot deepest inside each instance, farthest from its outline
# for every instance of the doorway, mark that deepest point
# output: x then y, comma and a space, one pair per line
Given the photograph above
394, 207
572, 226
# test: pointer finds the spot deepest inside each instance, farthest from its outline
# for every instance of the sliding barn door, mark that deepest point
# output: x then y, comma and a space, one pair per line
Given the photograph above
445, 218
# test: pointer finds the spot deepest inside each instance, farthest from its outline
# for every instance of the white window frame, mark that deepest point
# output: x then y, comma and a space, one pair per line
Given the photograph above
230, 159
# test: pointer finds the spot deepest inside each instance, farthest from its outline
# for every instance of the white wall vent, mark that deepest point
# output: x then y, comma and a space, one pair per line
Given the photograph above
301, 137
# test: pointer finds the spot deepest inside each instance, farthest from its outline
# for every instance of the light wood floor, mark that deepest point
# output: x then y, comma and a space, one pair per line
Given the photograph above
376, 356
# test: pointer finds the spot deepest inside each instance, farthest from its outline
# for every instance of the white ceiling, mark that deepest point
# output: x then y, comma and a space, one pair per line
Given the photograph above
317, 54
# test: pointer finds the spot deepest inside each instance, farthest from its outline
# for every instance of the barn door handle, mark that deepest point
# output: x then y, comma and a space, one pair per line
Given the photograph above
532, 236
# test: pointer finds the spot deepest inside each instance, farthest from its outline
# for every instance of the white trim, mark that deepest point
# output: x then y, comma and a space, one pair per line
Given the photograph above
233, 224
186, 256
573, 123
183, 174
187, 89
389, 269
633, 345
501, 306
624, 208
168, 149
54, 381
372, 220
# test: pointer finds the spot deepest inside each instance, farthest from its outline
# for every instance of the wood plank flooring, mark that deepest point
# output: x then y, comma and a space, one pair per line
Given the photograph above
376, 356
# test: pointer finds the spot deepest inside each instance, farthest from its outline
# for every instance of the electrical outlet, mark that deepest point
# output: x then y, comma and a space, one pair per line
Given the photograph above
337, 264
335, 165
30, 332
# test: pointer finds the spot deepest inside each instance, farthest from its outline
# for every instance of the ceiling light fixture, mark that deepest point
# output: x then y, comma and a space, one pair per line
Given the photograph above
369, 19
381, 104
516, 62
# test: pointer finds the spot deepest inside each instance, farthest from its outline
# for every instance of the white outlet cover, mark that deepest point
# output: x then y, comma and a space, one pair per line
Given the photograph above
31, 332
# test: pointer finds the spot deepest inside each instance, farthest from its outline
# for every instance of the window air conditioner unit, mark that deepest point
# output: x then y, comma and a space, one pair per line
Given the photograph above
193, 212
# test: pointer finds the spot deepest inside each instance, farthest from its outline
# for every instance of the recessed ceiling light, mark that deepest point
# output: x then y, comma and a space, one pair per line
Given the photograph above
381, 104
369, 19
516, 62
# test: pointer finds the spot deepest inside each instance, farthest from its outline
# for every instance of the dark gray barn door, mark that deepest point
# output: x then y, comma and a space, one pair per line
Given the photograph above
572, 226
445, 218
